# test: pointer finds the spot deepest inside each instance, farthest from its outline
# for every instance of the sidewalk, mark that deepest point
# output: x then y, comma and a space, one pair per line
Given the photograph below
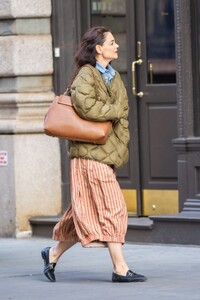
173, 273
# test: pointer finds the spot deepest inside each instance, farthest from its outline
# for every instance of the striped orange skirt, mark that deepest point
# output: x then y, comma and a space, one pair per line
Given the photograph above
97, 213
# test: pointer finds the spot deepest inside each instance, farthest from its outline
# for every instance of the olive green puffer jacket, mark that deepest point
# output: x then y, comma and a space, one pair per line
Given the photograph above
94, 100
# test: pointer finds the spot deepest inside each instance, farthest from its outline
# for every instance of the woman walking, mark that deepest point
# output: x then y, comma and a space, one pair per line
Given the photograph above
97, 216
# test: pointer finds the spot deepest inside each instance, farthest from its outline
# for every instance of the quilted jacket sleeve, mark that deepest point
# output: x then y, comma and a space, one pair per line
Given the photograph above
121, 128
91, 104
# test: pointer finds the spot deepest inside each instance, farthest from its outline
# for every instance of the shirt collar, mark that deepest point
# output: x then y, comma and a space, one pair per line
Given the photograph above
107, 69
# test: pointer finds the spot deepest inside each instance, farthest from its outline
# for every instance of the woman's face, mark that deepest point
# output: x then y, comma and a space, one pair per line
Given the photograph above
108, 51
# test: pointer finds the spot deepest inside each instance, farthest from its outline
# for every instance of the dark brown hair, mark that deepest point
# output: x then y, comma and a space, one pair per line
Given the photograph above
87, 48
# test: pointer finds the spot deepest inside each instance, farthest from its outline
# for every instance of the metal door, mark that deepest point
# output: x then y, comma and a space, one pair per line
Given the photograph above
154, 92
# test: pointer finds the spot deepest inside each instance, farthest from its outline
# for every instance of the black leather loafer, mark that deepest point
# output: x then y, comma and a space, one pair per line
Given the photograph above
49, 268
129, 277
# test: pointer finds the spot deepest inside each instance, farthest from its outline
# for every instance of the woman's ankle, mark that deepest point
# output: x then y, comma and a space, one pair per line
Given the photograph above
53, 257
121, 270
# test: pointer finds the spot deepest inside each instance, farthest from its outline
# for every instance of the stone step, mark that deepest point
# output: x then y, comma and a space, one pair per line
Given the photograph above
43, 226
182, 228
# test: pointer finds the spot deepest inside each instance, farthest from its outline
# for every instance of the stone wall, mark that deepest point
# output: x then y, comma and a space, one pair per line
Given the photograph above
30, 176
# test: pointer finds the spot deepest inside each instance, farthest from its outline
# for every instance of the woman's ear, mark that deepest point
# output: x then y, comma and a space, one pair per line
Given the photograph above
98, 49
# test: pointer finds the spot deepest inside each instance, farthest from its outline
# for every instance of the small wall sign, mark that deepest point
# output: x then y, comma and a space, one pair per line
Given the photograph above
3, 158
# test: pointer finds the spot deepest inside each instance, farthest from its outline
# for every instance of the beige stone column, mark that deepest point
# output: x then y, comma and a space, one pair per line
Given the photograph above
30, 173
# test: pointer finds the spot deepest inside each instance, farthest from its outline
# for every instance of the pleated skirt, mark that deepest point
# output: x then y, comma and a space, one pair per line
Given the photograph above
97, 213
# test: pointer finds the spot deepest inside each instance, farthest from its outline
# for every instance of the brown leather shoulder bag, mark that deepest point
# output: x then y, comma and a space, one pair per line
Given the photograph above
62, 121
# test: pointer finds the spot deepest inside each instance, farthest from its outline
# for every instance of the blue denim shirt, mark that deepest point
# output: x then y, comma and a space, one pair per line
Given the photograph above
108, 73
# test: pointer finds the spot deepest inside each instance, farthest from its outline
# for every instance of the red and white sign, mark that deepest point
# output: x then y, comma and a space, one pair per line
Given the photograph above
3, 158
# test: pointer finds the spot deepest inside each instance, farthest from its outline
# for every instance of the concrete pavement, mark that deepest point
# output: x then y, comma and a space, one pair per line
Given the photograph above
173, 272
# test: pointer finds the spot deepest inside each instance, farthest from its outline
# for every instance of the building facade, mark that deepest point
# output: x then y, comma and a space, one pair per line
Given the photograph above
159, 64
30, 162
